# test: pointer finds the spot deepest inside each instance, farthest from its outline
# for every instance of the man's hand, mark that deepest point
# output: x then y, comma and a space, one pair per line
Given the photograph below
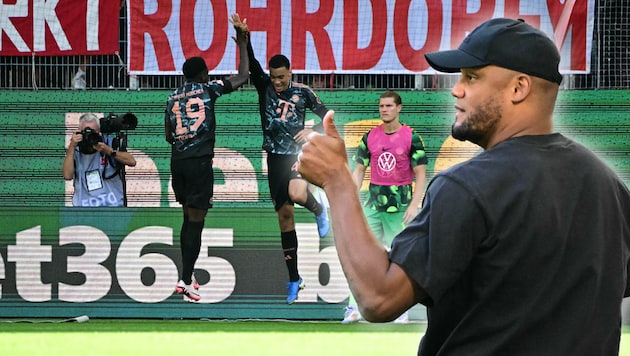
75, 139
324, 158
239, 26
103, 148
242, 32
410, 214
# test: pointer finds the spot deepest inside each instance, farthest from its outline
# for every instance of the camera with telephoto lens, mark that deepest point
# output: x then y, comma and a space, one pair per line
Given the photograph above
110, 124
114, 123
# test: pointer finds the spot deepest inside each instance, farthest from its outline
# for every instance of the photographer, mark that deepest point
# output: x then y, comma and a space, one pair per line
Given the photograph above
95, 165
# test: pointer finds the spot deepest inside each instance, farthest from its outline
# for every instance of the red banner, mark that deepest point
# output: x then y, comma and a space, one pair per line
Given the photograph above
343, 36
59, 27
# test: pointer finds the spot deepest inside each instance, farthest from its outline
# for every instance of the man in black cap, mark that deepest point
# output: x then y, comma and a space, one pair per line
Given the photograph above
521, 250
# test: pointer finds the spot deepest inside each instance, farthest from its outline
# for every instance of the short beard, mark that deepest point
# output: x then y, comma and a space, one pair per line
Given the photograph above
480, 124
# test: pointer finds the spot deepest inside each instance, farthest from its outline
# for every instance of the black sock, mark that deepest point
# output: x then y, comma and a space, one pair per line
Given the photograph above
312, 205
182, 234
289, 248
191, 245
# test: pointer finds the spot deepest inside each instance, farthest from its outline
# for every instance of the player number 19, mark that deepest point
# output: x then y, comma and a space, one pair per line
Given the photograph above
195, 111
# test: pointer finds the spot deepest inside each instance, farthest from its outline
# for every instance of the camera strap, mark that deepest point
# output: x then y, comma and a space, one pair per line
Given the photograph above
113, 164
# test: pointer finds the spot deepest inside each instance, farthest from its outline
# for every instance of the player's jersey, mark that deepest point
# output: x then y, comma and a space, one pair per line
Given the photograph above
393, 157
282, 115
190, 113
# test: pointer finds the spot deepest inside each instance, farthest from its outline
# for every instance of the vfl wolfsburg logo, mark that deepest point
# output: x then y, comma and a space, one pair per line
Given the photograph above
386, 163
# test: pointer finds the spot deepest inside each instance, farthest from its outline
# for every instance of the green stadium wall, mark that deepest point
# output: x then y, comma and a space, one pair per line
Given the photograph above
59, 261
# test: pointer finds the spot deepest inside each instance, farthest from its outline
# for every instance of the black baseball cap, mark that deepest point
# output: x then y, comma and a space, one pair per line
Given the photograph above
505, 43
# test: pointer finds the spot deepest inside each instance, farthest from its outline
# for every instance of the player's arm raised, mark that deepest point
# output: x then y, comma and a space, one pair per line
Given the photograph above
241, 39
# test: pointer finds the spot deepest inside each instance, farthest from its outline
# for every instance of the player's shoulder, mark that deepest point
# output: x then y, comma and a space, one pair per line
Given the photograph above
300, 85
376, 130
296, 86
406, 128
415, 135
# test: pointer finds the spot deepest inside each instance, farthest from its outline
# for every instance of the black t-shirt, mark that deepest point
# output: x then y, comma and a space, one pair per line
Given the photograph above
523, 250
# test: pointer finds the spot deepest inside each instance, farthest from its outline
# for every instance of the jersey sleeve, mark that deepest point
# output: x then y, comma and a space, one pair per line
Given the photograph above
227, 86
315, 104
417, 154
362, 156
219, 87
256, 73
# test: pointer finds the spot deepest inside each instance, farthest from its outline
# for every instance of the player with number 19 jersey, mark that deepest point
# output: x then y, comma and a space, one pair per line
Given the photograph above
190, 113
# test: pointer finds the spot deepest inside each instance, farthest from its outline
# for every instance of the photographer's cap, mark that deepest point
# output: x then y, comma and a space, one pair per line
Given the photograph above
506, 43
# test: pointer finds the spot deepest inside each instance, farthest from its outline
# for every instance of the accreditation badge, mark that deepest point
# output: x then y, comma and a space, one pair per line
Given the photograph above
93, 180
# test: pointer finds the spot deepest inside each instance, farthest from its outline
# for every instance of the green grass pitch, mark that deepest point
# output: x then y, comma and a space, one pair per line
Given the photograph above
213, 337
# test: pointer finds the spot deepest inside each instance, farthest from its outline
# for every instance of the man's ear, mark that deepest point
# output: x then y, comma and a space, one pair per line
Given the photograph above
522, 86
